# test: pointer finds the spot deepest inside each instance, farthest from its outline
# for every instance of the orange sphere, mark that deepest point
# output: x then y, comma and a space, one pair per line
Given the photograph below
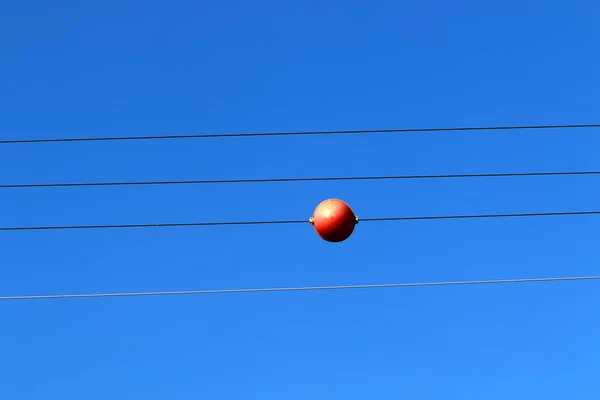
334, 220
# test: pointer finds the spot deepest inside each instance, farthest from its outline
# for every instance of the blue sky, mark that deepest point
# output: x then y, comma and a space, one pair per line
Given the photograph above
116, 68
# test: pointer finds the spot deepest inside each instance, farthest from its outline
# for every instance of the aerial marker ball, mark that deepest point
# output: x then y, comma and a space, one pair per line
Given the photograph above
333, 220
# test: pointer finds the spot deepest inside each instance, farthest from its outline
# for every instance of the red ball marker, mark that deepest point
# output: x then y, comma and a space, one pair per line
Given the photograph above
333, 220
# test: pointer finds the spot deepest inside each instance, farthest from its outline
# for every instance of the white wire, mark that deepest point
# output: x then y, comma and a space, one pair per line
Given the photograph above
297, 289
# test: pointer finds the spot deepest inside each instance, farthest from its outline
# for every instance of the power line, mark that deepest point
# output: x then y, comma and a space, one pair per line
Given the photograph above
299, 133
299, 289
287, 222
310, 179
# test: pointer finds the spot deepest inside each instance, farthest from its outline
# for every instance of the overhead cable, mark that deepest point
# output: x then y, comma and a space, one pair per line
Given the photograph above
299, 133
309, 179
300, 289
287, 222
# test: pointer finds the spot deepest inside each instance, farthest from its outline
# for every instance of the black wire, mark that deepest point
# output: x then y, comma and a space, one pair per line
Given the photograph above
312, 179
510, 215
301, 133
158, 225
282, 222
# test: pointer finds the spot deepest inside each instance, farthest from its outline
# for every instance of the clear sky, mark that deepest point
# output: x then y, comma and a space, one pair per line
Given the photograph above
129, 67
